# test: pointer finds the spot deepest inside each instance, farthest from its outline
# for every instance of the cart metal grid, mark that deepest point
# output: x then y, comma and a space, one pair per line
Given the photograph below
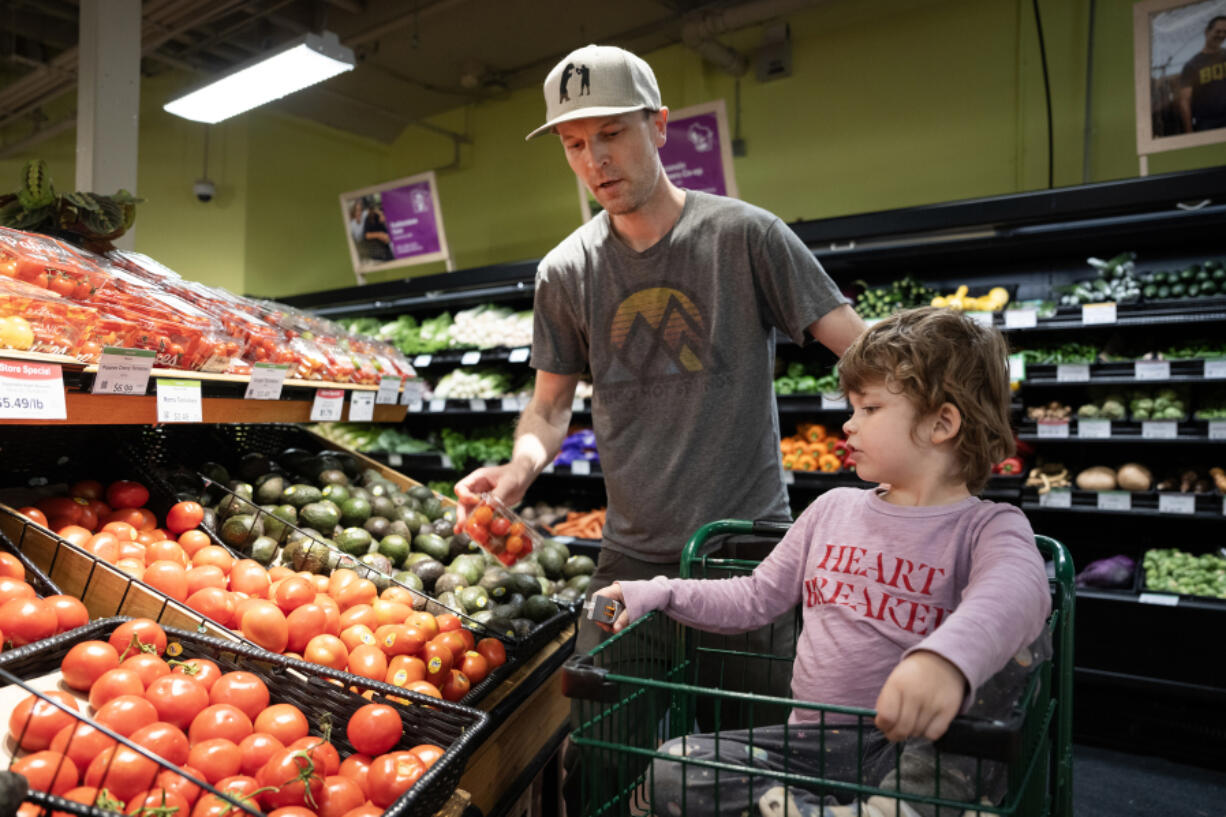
647, 684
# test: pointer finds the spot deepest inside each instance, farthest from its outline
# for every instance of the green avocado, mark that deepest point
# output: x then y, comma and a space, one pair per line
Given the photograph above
395, 548
433, 545
269, 490
301, 494
355, 511
336, 493
474, 599
240, 530
355, 541
323, 515
577, 565
539, 608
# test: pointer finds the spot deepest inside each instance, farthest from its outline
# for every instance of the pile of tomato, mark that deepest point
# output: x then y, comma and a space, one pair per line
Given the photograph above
26, 618
219, 727
339, 621
498, 529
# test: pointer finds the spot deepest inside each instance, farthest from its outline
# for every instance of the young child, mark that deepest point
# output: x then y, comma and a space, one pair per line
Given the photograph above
915, 593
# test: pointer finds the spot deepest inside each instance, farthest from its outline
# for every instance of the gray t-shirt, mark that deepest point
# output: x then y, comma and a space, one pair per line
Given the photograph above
680, 340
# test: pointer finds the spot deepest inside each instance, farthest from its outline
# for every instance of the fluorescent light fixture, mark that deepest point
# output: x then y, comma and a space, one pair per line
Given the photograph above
300, 63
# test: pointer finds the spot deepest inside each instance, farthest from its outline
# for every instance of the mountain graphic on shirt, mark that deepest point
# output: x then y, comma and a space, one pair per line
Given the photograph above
658, 333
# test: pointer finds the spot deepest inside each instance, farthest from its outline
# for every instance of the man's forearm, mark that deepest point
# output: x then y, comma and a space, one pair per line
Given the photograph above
539, 436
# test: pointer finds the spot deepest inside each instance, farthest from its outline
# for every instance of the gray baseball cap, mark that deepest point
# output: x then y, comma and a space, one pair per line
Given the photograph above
597, 80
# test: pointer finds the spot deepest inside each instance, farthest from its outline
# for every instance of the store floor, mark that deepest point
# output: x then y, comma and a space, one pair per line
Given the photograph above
1107, 783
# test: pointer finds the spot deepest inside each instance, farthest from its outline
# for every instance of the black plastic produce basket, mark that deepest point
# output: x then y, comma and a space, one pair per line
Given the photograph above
35, 576
458, 729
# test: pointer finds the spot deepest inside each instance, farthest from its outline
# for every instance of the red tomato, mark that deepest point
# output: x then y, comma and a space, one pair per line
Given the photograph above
323, 754
285, 722
356, 767
500, 525
264, 624
113, 683
304, 623
11, 567
204, 671
474, 665
204, 576
33, 514
126, 494
193, 540
147, 665
86, 661
327, 650
290, 776
368, 661
220, 721
75, 534
210, 805
145, 631
391, 775
340, 796
214, 603
244, 690
213, 555
257, 749
172, 780
367, 809
427, 753
293, 592
250, 577
482, 515
35, 722
81, 742
390, 612
167, 576
452, 640
455, 687
69, 612
126, 714
184, 516
153, 801
448, 622
24, 621
15, 589
122, 772
163, 739
64, 508
438, 662
292, 811
493, 651
216, 758
374, 729
404, 669
47, 771
166, 550
178, 699
86, 489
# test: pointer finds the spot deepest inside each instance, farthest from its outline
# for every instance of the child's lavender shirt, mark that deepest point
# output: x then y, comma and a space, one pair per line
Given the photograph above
877, 582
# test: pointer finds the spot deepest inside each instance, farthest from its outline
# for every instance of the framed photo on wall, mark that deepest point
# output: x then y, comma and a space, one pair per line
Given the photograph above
394, 224
1179, 49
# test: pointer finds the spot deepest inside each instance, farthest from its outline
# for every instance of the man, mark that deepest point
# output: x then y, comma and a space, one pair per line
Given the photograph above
1202, 83
672, 298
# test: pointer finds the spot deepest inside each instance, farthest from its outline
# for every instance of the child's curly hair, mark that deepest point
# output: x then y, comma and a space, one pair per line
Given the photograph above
936, 356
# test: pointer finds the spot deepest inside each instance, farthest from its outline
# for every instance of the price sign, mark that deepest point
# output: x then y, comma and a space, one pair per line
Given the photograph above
1217, 429
327, 406
510, 404
581, 468
179, 401
446, 460
1094, 429
266, 381
361, 406
438, 404
1053, 429
1159, 430
1114, 501
518, 355
395, 460
834, 402
1072, 372
981, 318
414, 389
1152, 370
123, 371
1164, 599
31, 391
389, 390
1176, 503
1215, 369
1017, 368
1056, 498
417, 406
421, 361
578, 404
476, 404
470, 358
1092, 314
1021, 318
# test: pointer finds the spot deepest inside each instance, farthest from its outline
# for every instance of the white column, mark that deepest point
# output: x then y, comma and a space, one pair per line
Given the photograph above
108, 98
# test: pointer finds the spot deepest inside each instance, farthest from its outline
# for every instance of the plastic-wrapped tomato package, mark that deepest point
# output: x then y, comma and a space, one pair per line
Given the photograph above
33, 319
309, 361
49, 264
340, 367
152, 272
499, 530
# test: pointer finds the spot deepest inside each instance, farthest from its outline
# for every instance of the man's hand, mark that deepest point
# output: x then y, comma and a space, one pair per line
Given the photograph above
614, 591
920, 698
506, 482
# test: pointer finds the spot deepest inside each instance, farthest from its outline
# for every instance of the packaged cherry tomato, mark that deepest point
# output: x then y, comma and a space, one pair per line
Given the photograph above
33, 319
501, 531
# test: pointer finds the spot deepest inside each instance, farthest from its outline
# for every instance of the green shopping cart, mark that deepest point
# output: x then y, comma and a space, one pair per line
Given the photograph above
658, 680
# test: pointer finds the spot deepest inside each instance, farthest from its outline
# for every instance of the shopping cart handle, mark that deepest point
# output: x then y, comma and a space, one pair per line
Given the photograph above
582, 680
763, 527
981, 737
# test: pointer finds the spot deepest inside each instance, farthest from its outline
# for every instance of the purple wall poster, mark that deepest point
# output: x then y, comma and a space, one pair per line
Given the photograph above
698, 153
395, 224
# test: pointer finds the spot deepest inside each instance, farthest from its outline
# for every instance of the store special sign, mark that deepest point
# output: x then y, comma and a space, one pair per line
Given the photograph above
395, 224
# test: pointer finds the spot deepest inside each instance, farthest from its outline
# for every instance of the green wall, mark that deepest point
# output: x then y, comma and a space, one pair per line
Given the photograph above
890, 104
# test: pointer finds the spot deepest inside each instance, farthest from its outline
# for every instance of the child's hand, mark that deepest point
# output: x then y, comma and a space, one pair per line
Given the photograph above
920, 698
614, 591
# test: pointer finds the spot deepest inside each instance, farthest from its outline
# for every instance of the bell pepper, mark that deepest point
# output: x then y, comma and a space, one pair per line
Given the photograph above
807, 462
1010, 466
789, 462
829, 463
815, 433
841, 450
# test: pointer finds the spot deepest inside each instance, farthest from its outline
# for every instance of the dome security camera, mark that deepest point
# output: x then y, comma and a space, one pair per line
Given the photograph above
204, 190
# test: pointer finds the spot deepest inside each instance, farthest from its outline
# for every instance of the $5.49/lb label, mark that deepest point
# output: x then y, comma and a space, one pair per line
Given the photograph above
31, 391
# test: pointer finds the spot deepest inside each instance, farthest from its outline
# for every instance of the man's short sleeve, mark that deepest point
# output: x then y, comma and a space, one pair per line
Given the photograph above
559, 338
796, 289
1187, 77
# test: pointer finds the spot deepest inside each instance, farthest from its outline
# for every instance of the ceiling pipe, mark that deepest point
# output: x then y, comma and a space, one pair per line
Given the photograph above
700, 31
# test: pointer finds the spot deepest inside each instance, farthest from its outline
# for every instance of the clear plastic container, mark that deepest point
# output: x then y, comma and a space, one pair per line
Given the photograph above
501, 531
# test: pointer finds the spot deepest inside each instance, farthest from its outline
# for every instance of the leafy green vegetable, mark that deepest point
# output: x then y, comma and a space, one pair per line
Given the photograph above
482, 445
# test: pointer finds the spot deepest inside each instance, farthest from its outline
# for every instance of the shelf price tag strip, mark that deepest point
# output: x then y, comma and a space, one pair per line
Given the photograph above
361, 406
1152, 370
1056, 498
31, 391
421, 361
1072, 372
123, 371
581, 468
1094, 429
1163, 599
1092, 314
1021, 318
389, 390
470, 359
518, 355
1176, 503
1215, 369
413, 391
1159, 430
1017, 368
981, 318
266, 381
834, 402
1217, 429
327, 406
1114, 501
1053, 429
179, 401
